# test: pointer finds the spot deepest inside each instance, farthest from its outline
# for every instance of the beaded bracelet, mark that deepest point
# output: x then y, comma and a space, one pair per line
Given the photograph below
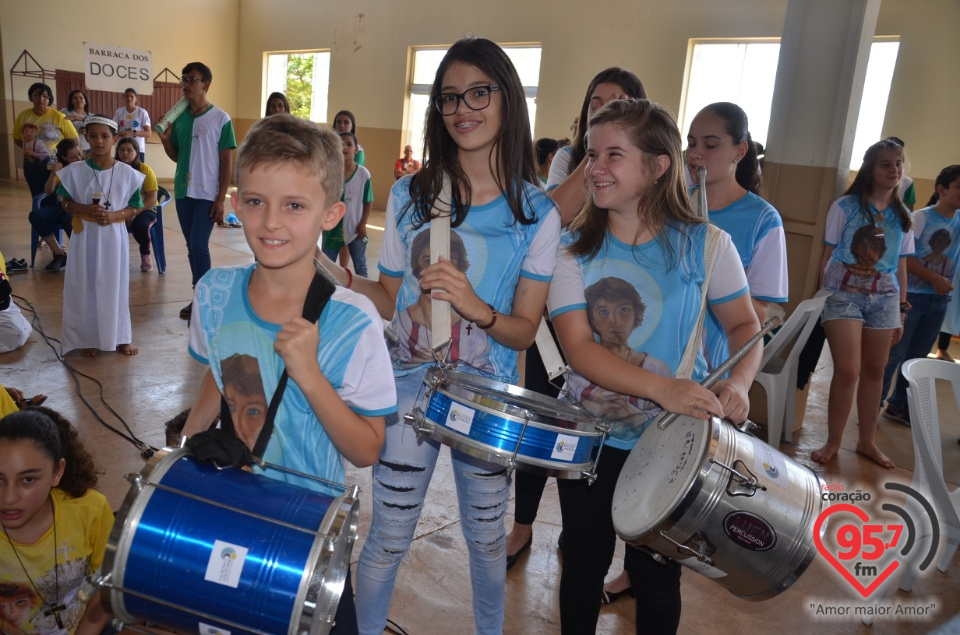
486, 327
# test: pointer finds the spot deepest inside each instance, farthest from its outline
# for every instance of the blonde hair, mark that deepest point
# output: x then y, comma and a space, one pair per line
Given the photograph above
284, 139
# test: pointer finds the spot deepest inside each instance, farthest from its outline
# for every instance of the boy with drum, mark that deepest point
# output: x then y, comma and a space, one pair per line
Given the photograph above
289, 178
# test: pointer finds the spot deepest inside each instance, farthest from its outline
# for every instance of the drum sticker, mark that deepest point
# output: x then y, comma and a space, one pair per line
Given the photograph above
703, 568
460, 418
565, 447
209, 629
749, 531
770, 462
226, 563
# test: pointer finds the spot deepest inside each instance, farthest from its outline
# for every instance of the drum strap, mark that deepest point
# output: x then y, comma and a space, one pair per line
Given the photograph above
320, 291
685, 369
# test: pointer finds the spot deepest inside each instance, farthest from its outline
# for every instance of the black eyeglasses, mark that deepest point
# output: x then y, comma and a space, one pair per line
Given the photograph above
186, 79
40, 93
476, 98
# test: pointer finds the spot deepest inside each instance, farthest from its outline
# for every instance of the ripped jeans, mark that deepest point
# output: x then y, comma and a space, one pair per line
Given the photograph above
400, 480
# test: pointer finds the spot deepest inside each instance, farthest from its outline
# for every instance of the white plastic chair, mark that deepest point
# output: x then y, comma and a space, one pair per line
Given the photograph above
778, 367
921, 375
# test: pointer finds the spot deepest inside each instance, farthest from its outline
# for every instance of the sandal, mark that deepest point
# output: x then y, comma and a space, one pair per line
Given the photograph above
610, 598
36, 400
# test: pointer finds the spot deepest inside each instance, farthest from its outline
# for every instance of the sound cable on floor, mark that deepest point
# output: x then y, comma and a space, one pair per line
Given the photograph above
146, 450
393, 627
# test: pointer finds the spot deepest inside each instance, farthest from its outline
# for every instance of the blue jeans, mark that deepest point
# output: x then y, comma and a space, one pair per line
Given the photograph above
400, 480
196, 224
48, 219
358, 254
920, 331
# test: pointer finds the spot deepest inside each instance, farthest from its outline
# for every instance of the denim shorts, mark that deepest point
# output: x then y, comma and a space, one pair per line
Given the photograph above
876, 311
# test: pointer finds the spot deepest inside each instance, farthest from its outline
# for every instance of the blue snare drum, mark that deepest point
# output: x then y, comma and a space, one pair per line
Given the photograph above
206, 550
507, 425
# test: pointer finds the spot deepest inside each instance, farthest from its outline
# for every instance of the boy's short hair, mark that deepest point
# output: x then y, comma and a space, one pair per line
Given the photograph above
285, 139
356, 143
205, 73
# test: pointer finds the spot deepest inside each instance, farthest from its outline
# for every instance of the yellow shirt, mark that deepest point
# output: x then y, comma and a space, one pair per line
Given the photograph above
52, 127
82, 527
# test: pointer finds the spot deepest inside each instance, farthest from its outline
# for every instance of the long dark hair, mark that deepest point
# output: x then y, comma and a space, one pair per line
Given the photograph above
649, 127
66, 145
863, 185
136, 146
57, 439
947, 176
281, 97
623, 78
737, 126
353, 120
512, 157
86, 102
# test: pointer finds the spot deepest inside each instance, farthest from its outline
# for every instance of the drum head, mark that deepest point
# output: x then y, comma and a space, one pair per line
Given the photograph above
658, 474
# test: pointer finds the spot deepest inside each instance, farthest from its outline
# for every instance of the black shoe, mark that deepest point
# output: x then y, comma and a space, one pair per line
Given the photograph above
16, 264
58, 263
560, 541
512, 560
186, 312
897, 413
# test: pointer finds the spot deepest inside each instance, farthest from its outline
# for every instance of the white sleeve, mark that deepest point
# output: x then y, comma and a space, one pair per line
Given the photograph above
907, 244
834, 226
566, 289
542, 256
368, 386
919, 222
560, 168
728, 280
198, 344
392, 259
767, 274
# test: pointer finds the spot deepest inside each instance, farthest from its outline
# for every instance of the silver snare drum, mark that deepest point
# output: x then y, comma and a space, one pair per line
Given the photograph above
722, 503
508, 425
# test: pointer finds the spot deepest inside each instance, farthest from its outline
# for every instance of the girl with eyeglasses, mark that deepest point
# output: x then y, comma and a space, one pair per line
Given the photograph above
477, 134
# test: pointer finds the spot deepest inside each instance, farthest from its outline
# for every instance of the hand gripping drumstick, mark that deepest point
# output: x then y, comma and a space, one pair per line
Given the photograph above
722, 369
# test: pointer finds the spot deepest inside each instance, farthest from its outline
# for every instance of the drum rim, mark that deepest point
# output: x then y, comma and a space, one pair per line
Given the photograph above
341, 521
126, 522
477, 449
577, 414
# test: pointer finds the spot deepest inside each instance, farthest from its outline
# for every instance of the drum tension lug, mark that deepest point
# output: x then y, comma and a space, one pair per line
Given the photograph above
589, 477
740, 485
703, 548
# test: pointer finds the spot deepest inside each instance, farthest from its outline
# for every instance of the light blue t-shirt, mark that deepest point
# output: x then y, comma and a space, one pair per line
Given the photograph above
937, 247
755, 227
493, 250
642, 310
238, 346
866, 254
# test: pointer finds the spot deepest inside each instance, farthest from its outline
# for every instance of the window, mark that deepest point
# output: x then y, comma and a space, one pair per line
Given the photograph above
526, 59
745, 71
304, 77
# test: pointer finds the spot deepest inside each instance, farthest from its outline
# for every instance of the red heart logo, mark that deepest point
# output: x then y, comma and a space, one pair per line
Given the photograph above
862, 515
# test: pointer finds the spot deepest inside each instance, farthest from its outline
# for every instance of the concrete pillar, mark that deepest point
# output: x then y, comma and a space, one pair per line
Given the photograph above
816, 101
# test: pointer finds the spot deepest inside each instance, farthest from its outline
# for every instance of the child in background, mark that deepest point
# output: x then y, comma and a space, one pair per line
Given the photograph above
864, 265
351, 231
50, 216
930, 273
141, 222
34, 150
289, 180
102, 193
55, 526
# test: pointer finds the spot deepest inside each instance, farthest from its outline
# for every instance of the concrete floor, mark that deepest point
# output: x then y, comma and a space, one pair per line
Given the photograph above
433, 590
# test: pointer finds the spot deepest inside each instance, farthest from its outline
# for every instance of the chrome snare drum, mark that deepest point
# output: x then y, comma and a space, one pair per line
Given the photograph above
508, 425
201, 549
720, 502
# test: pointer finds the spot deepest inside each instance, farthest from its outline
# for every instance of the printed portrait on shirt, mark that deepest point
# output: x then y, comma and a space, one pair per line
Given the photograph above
243, 392
615, 311
412, 326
